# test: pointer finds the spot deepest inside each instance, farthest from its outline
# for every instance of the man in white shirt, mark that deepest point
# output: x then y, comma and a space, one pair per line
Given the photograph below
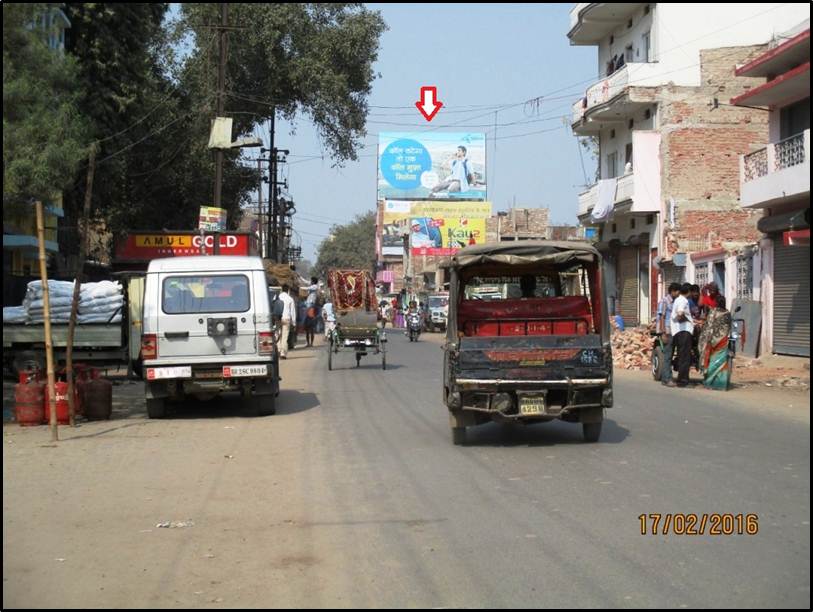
288, 319
329, 317
459, 178
682, 327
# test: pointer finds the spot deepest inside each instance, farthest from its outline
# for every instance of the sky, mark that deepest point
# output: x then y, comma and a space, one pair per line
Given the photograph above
482, 58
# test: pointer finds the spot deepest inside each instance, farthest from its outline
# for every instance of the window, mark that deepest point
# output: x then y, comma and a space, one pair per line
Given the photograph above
629, 54
630, 123
645, 43
612, 165
549, 283
205, 294
614, 228
794, 119
647, 114
612, 133
629, 23
650, 219
632, 223
745, 277
701, 274
646, 10
628, 153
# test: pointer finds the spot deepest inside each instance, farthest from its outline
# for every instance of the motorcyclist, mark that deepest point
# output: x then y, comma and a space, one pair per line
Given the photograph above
413, 310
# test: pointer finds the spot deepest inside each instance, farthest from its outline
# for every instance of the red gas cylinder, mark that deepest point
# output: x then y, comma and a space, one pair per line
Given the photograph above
28, 398
98, 398
61, 391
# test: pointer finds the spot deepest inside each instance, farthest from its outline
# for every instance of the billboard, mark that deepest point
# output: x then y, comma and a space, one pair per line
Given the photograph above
212, 219
443, 228
444, 166
395, 223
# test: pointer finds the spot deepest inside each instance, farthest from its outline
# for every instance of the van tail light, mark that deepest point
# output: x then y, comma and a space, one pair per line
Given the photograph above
149, 346
265, 342
581, 328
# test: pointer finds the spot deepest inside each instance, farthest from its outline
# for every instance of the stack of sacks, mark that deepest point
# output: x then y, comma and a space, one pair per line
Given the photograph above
15, 315
60, 296
100, 302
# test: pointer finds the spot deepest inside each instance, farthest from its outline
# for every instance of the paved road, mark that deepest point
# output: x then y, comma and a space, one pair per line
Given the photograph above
353, 496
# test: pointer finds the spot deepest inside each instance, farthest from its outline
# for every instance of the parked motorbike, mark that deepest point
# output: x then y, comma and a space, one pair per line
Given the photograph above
414, 326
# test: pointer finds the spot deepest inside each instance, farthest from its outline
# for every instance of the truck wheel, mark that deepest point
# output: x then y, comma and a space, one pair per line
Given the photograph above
459, 436
591, 431
657, 363
156, 408
263, 405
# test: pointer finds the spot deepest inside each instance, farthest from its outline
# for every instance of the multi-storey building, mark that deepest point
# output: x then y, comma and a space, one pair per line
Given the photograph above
775, 180
667, 202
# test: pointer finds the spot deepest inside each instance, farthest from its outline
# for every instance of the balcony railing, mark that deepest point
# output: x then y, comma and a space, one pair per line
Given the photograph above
775, 157
776, 172
640, 74
756, 164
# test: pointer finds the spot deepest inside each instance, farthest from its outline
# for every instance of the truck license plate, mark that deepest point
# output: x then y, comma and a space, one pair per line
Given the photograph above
532, 405
162, 373
237, 371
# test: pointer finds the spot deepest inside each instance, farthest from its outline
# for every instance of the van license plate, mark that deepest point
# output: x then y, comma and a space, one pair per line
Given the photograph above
236, 371
176, 372
532, 405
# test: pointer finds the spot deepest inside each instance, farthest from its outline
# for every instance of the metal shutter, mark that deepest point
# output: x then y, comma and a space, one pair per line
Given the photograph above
791, 299
628, 285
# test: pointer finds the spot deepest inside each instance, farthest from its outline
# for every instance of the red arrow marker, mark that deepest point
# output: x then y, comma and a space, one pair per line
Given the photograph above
428, 105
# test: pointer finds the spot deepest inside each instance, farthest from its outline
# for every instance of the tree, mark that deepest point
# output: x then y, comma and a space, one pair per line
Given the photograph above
311, 58
349, 246
155, 169
43, 132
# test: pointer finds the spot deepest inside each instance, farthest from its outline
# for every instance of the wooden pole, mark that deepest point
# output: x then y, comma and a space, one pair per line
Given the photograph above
46, 299
83, 249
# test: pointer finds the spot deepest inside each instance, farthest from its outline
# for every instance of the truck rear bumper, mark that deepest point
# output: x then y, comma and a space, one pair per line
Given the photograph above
495, 383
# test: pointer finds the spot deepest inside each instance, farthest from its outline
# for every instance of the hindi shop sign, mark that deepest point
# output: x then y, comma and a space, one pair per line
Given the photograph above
145, 247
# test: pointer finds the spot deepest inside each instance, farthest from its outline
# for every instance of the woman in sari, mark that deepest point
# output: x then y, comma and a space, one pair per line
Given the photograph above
713, 347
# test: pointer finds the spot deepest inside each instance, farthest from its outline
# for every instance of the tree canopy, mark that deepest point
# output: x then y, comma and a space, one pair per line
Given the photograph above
44, 132
349, 246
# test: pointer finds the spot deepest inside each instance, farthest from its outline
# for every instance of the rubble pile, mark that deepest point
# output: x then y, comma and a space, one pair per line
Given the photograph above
632, 348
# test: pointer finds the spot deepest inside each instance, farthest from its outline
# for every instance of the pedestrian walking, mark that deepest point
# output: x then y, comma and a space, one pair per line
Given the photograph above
329, 317
288, 320
682, 331
310, 325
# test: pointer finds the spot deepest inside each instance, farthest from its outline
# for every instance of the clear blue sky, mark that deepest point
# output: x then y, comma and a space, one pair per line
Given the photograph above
477, 55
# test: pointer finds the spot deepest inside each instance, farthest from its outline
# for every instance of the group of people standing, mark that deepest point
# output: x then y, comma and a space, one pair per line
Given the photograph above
689, 317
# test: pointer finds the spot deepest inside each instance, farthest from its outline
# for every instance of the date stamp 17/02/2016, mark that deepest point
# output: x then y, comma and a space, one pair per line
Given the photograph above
699, 524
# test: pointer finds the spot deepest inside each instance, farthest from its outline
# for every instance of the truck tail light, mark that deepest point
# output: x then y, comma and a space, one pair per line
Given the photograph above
149, 346
265, 342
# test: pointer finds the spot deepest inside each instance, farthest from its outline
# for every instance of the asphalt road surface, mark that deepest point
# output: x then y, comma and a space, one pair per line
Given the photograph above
353, 495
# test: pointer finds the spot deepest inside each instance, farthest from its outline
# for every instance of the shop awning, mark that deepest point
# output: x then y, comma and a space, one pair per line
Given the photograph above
797, 238
796, 220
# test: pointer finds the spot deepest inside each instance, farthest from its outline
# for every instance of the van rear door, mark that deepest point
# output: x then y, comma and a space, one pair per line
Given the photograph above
206, 315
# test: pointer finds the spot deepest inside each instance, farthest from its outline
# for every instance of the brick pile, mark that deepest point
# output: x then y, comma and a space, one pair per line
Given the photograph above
632, 348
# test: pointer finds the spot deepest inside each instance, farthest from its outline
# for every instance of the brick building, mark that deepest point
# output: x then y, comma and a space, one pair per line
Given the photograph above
667, 202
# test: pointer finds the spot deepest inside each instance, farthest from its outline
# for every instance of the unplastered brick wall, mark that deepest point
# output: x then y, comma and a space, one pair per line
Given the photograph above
700, 230
700, 149
518, 221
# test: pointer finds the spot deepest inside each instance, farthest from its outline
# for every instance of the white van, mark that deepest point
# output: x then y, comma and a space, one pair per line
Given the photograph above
208, 329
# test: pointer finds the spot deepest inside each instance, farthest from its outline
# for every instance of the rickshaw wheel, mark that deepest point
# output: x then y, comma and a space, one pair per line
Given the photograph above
330, 354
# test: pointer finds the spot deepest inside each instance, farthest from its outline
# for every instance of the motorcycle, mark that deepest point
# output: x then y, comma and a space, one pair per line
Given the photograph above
414, 326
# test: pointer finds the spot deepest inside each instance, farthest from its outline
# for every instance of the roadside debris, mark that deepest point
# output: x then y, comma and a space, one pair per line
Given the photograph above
175, 524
